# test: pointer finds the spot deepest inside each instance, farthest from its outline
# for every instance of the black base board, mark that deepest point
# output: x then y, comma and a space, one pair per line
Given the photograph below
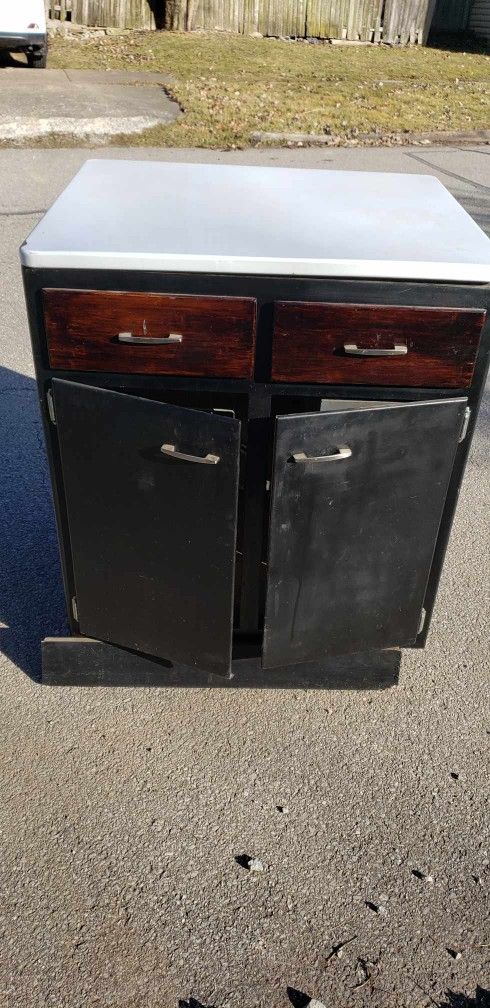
82, 661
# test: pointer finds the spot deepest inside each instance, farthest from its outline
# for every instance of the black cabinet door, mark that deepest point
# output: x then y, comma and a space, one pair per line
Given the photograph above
151, 492
357, 498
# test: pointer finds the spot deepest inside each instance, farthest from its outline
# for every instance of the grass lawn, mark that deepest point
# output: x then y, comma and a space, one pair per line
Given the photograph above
229, 86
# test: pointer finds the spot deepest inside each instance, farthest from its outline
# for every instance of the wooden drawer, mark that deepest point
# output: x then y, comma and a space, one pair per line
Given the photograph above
150, 333
433, 347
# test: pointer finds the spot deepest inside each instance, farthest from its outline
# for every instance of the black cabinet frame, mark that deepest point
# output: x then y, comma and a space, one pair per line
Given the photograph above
258, 398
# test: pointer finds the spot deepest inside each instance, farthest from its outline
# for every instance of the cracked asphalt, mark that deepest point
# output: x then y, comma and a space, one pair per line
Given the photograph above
124, 810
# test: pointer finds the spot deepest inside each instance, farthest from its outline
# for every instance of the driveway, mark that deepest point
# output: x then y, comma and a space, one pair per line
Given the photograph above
83, 103
124, 810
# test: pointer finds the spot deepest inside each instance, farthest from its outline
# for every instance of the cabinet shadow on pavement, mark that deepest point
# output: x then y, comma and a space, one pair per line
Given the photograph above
84, 662
31, 594
32, 605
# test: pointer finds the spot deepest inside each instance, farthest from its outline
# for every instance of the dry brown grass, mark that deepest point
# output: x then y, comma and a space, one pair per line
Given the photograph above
230, 86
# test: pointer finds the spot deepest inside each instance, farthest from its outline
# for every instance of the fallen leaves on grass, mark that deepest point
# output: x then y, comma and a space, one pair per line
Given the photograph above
230, 86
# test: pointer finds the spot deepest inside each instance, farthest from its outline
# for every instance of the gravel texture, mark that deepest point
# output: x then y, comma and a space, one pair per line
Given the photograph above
125, 812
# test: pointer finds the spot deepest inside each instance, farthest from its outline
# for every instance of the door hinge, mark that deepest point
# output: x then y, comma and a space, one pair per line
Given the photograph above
464, 425
50, 402
74, 609
422, 619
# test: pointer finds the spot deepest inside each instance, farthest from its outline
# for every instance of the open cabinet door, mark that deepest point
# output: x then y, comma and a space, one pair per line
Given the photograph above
151, 494
357, 499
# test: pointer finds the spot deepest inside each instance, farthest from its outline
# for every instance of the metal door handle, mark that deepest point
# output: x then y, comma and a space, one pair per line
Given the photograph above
341, 453
127, 337
398, 350
171, 451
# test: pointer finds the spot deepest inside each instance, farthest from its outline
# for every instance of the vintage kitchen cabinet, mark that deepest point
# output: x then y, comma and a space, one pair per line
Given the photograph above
258, 388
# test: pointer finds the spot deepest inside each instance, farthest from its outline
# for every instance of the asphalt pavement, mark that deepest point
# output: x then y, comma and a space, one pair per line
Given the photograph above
123, 810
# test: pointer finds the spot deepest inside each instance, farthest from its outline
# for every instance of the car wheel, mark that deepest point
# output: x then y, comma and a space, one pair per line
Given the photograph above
38, 58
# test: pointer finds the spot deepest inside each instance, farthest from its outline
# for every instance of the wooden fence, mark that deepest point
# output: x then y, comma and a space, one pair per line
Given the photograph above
399, 22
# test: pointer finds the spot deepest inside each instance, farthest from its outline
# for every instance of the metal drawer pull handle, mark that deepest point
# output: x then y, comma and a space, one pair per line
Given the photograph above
127, 337
342, 453
398, 350
171, 451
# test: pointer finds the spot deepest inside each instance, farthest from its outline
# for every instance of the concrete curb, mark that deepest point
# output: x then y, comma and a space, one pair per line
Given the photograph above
26, 128
444, 138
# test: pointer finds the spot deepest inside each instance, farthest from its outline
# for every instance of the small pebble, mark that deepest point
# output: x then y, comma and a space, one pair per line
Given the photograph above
362, 972
422, 876
283, 809
375, 907
315, 1004
255, 864
453, 953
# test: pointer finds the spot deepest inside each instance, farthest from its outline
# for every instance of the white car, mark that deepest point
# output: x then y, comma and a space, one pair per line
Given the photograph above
23, 28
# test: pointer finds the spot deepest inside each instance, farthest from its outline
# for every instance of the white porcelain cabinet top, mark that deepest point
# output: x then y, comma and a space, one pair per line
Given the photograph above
261, 221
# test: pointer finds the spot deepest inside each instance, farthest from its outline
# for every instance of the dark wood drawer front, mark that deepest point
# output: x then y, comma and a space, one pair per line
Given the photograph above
150, 333
432, 347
